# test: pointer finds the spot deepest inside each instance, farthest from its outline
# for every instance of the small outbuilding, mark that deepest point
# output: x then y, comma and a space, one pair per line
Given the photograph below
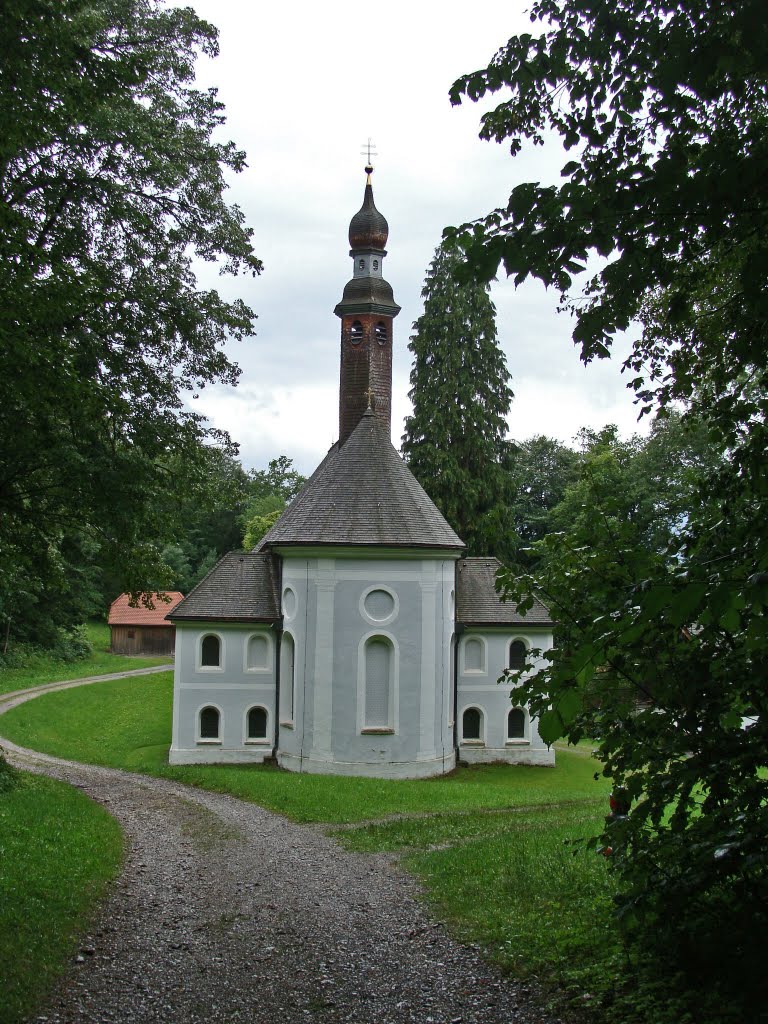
143, 630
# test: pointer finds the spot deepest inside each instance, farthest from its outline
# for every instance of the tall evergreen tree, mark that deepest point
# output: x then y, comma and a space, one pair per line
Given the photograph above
455, 440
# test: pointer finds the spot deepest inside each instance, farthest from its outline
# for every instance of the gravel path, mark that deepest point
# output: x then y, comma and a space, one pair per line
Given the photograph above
228, 913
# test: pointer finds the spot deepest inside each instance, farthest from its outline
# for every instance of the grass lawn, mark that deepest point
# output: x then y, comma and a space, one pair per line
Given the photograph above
126, 723
100, 662
58, 849
490, 842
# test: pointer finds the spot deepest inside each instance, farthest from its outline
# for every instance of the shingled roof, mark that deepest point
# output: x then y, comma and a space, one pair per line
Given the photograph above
363, 494
242, 587
478, 604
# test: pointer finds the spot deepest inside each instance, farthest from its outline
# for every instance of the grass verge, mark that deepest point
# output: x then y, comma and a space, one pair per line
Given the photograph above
488, 842
44, 669
58, 850
126, 723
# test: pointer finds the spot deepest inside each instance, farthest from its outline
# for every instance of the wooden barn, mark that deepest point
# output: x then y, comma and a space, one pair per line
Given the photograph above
143, 630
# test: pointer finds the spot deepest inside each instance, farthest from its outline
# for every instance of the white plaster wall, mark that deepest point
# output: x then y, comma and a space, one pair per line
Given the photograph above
232, 688
330, 626
480, 688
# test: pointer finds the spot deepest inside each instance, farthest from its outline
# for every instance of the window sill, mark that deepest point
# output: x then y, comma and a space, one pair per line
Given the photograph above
518, 743
473, 743
210, 668
259, 671
377, 732
210, 743
258, 743
286, 725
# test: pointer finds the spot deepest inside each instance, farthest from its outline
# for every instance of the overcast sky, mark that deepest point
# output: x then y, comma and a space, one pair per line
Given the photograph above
304, 85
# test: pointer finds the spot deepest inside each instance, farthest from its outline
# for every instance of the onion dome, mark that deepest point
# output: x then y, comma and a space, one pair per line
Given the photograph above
368, 229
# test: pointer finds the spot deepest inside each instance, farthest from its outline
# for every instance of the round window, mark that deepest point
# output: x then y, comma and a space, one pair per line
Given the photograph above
379, 604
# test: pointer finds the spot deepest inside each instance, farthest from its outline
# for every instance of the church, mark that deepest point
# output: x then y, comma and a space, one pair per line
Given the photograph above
356, 639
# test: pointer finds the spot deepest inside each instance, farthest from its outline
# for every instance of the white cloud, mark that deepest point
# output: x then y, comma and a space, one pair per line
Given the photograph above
304, 85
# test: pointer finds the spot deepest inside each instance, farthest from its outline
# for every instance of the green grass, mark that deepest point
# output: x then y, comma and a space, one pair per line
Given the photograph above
126, 723
47, 670
489, 842
58, 850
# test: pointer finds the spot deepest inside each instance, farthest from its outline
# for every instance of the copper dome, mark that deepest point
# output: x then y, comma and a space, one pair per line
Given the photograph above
368, 229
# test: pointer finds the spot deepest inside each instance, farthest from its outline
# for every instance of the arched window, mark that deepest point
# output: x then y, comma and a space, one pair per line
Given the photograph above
471, 724
517, 654
258, 652
474, 654
516, 724
257, 724
210, 651
378, 684
287, 674
361, 264
209, 723
380, 332
356, 332
375, 264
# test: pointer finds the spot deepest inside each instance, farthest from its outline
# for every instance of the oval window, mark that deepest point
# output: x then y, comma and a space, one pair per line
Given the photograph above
356, 332
380, 332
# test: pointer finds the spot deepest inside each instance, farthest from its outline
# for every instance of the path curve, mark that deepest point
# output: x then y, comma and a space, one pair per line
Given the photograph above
226, 913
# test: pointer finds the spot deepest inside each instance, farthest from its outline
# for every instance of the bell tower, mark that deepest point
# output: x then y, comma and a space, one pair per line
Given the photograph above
367, 309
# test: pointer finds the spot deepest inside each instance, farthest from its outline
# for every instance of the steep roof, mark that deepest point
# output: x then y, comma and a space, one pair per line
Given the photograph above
478, 604
242, 587
363, 494
121, 613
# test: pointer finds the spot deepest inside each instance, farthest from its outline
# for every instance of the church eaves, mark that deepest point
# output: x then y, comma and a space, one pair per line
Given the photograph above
363, 494
242, 587
478, 604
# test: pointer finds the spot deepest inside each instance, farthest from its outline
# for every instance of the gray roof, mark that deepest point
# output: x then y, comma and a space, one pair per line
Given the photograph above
478, 604
363, 493
242, 587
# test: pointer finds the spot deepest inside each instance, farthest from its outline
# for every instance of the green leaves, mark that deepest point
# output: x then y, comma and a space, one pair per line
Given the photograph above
455, 441
112, 183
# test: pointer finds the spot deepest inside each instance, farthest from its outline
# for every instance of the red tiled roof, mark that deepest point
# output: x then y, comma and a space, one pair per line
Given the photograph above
121, 614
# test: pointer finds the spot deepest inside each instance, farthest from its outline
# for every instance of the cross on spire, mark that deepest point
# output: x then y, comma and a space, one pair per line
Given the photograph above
370, 394
369, 151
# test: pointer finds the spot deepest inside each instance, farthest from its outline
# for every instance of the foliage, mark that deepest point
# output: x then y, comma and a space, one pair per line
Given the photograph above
454, 441
540, 469
271, 490
25, 666
60, 850
666, 107
111, 185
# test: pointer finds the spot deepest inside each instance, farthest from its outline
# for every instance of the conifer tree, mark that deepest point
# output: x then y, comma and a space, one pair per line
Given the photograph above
455, 440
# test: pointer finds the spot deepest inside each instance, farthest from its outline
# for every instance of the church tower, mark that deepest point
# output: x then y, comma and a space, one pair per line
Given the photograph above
367, 309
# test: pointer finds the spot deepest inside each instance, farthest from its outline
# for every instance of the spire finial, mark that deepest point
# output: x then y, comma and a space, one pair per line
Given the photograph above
369, 151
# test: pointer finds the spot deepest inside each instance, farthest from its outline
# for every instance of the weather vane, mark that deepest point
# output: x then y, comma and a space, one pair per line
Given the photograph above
369, 150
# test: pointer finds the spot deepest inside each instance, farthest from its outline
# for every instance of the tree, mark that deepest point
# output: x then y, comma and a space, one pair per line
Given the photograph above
541, 468
455, 440
270, 492
110, 187
666, 107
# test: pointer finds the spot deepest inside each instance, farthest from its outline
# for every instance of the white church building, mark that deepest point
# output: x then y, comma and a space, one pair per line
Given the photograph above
355, 639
